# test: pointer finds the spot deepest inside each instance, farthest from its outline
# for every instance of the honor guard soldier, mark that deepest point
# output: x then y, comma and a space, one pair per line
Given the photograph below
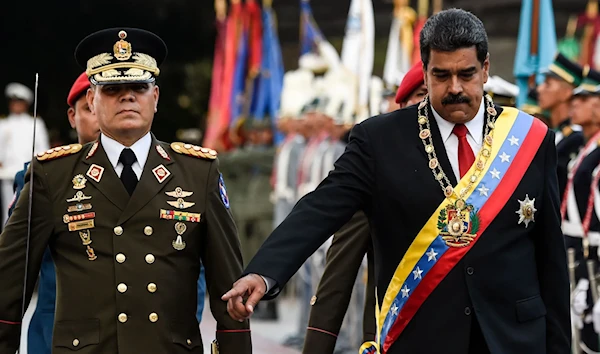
344, 258
16, 140
462, 200
562, 77
531, 106
580, 225
501, 91
127, 218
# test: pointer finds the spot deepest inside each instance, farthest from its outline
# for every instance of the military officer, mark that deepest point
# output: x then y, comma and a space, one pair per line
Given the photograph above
345, 256
16, 140
462, 199
580, 225
126, 278
562, 76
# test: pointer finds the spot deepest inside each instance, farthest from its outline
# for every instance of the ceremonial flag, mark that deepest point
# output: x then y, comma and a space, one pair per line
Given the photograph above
398, 58
536, 44
590, 22
310, 34
422, 18
214, 105
358, 50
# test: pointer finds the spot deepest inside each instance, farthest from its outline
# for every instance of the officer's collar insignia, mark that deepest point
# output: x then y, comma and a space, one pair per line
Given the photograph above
526, 210
161, 151
79, 182
122, 48
223, 191
92, 150
161, 173
95, 172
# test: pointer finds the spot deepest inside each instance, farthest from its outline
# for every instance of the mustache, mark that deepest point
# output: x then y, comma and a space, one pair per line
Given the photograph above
455, 99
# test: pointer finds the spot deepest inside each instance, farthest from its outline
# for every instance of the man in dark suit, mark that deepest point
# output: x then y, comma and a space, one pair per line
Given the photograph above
479, 264
128, 219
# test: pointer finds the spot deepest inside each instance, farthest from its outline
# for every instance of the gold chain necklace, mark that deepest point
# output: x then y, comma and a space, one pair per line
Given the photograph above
480, 160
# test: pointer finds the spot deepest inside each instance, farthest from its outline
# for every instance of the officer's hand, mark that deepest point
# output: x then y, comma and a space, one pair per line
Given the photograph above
253, 286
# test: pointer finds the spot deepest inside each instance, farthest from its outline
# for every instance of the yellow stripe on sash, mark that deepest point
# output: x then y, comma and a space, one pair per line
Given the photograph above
430, 231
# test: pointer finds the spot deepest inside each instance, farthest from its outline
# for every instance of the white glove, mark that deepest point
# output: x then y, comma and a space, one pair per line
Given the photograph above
579, 303
596, 317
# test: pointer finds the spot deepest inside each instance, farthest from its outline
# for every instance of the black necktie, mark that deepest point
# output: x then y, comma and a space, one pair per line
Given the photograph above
128, 177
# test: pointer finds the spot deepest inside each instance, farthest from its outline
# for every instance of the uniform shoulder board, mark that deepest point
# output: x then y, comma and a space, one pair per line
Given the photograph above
57, 152
567, 130
194, 150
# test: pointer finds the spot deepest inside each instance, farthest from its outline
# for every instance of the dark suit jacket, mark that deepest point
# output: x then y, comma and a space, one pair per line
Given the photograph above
514, 279
140, 294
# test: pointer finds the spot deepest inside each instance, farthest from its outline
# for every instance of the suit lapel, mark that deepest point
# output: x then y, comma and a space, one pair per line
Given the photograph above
149, 185
103, 177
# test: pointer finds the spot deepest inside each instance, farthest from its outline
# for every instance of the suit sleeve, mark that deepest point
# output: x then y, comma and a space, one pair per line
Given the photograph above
319, 214
551, 259
13, 245
344, 258
222, 261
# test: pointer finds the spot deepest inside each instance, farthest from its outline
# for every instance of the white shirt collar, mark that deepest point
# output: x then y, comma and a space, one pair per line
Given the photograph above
474, 126
113, 149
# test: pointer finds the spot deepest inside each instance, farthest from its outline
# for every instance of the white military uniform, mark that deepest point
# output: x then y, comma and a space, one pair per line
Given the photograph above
16, 140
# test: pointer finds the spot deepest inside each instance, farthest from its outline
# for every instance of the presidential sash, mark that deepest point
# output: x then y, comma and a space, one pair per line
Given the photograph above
437, 248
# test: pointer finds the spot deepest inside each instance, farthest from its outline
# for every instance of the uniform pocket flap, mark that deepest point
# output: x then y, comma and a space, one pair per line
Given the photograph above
186, 335
77, 334
530, 308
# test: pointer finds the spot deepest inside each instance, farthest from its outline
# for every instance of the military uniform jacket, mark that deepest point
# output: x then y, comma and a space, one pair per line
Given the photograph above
514, 279
133, 292
568, 143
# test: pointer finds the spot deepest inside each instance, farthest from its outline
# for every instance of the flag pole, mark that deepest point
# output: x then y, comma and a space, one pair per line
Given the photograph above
535, 33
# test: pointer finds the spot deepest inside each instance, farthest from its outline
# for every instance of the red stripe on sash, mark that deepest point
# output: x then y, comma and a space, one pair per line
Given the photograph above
487, 213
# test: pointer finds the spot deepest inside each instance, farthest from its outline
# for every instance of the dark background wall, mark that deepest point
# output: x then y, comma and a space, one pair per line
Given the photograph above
41, 35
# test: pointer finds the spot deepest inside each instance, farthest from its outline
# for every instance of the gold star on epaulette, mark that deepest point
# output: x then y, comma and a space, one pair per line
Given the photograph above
567, 130
57, 152
194, 150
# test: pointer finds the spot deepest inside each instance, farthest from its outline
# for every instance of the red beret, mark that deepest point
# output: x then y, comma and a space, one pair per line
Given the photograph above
80, 86
411, 81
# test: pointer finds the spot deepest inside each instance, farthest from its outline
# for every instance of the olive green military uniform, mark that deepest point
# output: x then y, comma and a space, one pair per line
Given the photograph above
126, 266
329, 305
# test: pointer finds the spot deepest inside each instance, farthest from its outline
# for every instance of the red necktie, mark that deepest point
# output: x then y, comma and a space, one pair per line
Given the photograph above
465, 153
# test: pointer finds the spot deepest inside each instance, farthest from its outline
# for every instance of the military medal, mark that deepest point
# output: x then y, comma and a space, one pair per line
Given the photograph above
91, 254
81, 225
458, 222
179, 215
95, 172
179, 193
79, 207
181, 204
68, 218
86, 237
161, 173
526, 210
79, 196
79, 182
179, 244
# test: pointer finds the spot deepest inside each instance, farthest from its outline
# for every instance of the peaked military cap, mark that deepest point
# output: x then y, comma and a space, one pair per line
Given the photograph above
121, 55
565, 69
589, 85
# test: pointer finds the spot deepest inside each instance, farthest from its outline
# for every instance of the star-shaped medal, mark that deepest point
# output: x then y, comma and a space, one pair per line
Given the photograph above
526, 210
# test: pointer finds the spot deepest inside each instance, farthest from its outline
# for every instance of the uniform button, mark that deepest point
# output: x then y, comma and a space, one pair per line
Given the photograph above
153, 317
118, 230
148, 230
152, 287
75, 342
122, 288
150, 258
121, 258
470, 270
467, 311
189, 342
122, 318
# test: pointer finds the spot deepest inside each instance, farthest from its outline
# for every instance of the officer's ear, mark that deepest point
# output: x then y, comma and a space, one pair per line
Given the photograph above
89, 97
156, 94
71, 115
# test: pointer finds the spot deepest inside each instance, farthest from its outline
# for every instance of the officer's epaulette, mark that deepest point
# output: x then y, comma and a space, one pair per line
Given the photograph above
567, 130
60, 151
194, 150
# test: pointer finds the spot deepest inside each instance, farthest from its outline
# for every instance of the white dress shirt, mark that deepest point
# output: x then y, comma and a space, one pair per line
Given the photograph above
474, 136
140, 148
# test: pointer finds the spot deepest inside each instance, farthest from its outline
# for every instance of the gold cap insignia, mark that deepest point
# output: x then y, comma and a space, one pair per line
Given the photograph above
122, 49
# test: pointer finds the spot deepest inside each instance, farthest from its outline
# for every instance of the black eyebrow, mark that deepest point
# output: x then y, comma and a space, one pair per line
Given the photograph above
439, 71
470, 70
